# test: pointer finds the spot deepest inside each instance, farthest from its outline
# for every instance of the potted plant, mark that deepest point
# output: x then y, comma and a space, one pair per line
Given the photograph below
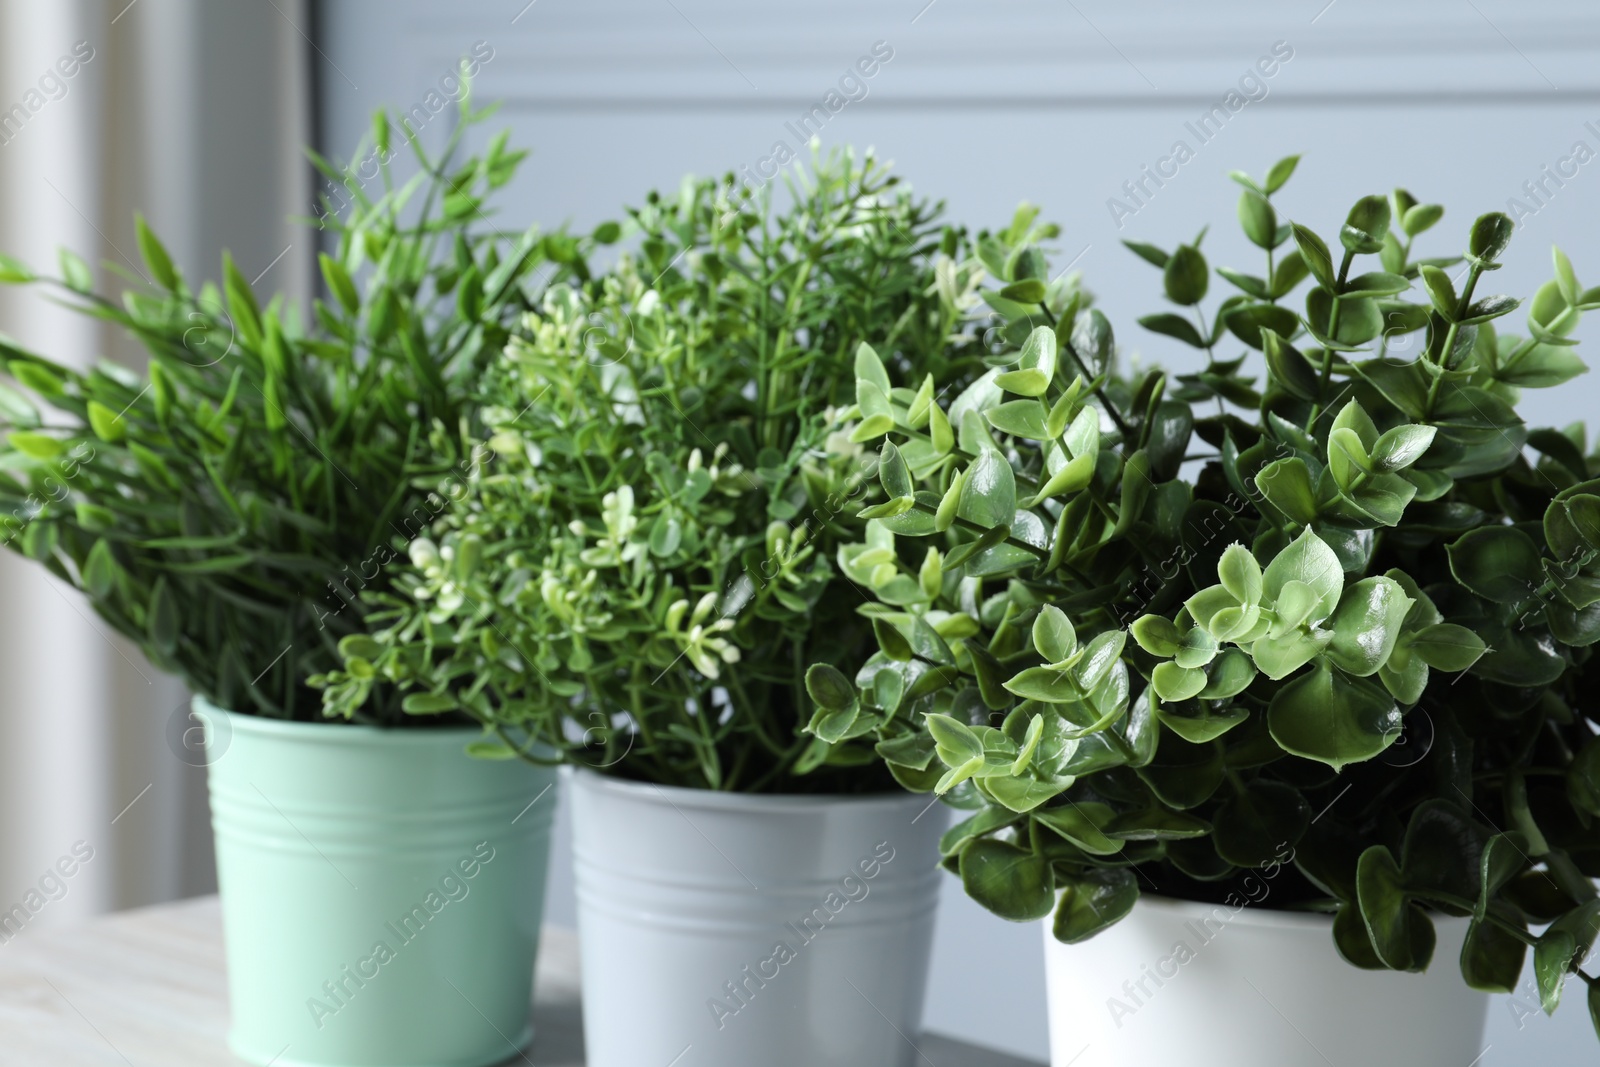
381, 891
1313, 641
639, 582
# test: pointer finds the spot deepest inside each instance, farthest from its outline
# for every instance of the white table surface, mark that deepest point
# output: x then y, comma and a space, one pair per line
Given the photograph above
147, 988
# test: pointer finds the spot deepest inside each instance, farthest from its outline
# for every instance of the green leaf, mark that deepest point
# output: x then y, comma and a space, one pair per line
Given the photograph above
1377, 283
1027, 291
37, 445
1251, 322
1504, 856
1009, 881
1173, 682
1366, 625
1491, 234
1174, 325
1564, 945
1286, 485
1053, 634
893, 473
1400, 447
14, 271
870, 368
1499, 563
1288, 367
17, 410
1092, 901
1446, 646
1240, 574
162, 614
1390, 921
1045, 684
1307, 559
490, 750
1350, 937
1316, 256
339, 283
1552, 956
155, 256
1420, 218
1205, 727
1156, 824
829, 688
1364, 228
1080, 823
107, 424
1020, 418
957, 744
1492, 958
1257, 219
1186, 276
1230, 674
240, 303
1441, 291
1290, 271
428, 703
1327, 717
1022, 794
99, 569
1149, 253
1036, 365
1280, 173
1542, 367
1249, 283
75, 272
1157, 635
988, 492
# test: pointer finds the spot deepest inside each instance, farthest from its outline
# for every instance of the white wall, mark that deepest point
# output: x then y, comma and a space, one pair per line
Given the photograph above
984, 105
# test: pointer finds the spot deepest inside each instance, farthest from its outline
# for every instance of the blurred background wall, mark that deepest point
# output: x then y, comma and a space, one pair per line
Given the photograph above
191, 112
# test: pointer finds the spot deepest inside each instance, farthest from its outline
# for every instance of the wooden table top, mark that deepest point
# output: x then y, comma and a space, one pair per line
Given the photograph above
147, 988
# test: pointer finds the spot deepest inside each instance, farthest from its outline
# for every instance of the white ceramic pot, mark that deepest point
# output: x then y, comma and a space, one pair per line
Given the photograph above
1183, 982
723, 930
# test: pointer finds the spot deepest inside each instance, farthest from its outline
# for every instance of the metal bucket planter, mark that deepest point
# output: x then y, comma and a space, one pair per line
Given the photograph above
723, 930
381, 892
1184, 982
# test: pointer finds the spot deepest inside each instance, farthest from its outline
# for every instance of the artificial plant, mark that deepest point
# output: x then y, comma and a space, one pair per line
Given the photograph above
639, 577
1346, 613
223, 508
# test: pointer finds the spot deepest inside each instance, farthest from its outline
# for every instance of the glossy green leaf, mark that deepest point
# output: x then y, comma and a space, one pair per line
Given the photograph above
989, 492
1367, 624
1053, 634
1315, 254
1395, 927
1491, 234
1009, 881
1499, 563
1327, 717
1093, 901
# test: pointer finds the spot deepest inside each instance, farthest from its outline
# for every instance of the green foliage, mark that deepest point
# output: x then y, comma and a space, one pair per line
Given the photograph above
223, 509
654, 562
1353, 631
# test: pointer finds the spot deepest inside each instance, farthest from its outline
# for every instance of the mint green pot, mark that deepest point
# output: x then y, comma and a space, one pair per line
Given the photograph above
381, 892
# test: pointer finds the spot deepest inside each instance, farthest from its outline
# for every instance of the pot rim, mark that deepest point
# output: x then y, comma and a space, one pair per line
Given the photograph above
335, 732
717, 800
